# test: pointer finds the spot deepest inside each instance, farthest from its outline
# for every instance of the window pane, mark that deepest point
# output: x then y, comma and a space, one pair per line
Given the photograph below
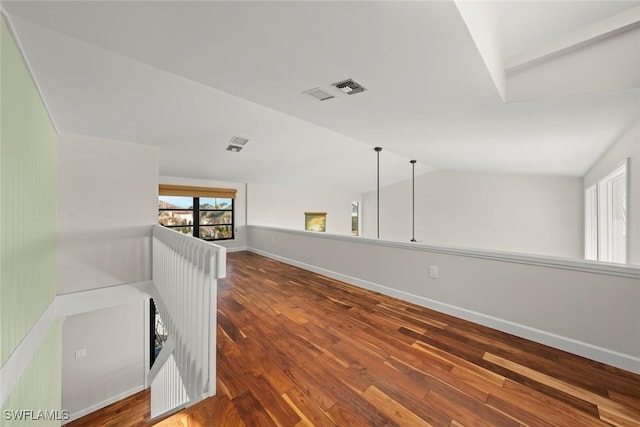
619, 220
215, 203
591, 223
184, 230
354, 218
215, 217
175, 202
216, 232
175, 217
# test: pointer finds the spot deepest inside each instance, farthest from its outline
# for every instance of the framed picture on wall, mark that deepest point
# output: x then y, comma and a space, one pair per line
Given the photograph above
315, 221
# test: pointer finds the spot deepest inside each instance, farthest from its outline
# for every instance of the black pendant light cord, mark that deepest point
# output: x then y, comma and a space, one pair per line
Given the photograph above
378, 150
413, 200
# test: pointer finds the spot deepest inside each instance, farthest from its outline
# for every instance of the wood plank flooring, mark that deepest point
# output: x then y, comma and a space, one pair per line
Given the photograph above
299, 349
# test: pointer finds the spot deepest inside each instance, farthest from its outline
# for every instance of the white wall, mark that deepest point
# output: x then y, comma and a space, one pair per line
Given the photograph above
610, 62
107, 204
507, 212
239, 206
627, 146
581, 307
113, 366
285, 207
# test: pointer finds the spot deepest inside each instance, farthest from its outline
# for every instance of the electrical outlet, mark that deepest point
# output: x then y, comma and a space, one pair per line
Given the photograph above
433, 271
81, 353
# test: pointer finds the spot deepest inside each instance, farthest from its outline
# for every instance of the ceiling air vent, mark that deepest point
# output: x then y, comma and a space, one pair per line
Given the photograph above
236, 144
318, 94
350, 87
236, 140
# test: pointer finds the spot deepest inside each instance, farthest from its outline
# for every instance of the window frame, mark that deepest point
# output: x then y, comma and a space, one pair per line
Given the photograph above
195, 226
355, 215
599, 223
591, 223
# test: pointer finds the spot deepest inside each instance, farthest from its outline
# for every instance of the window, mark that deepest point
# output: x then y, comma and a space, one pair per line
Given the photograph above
606, 218
206, 213
216, 218
177, 213
355, 218
158, 332
591, 223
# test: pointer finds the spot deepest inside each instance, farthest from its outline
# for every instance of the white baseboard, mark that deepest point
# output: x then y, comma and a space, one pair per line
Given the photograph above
237, 249
104, 403
580, 348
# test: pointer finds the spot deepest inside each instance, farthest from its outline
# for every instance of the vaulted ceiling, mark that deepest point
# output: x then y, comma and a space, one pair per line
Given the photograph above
539, 87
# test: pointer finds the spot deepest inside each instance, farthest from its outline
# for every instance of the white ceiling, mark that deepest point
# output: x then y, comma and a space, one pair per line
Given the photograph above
525, 25
187, 76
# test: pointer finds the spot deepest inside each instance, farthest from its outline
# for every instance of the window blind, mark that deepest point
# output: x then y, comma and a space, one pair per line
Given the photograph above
190, 191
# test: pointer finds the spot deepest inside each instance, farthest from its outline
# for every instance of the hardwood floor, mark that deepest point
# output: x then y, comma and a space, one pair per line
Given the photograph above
299, 349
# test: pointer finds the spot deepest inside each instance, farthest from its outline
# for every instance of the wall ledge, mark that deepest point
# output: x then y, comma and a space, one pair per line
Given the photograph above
594, 267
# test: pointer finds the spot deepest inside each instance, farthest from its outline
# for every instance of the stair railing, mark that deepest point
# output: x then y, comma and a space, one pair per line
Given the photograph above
185, 274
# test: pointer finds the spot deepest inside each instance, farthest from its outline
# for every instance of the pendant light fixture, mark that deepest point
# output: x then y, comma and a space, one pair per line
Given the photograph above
378, 150
413, 200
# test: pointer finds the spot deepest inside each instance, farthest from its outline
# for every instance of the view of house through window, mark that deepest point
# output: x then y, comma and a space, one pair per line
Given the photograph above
355, 218
606, 218
209, 218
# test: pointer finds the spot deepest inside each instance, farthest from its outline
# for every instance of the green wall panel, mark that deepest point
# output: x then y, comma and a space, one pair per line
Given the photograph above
39, 387
28, 193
